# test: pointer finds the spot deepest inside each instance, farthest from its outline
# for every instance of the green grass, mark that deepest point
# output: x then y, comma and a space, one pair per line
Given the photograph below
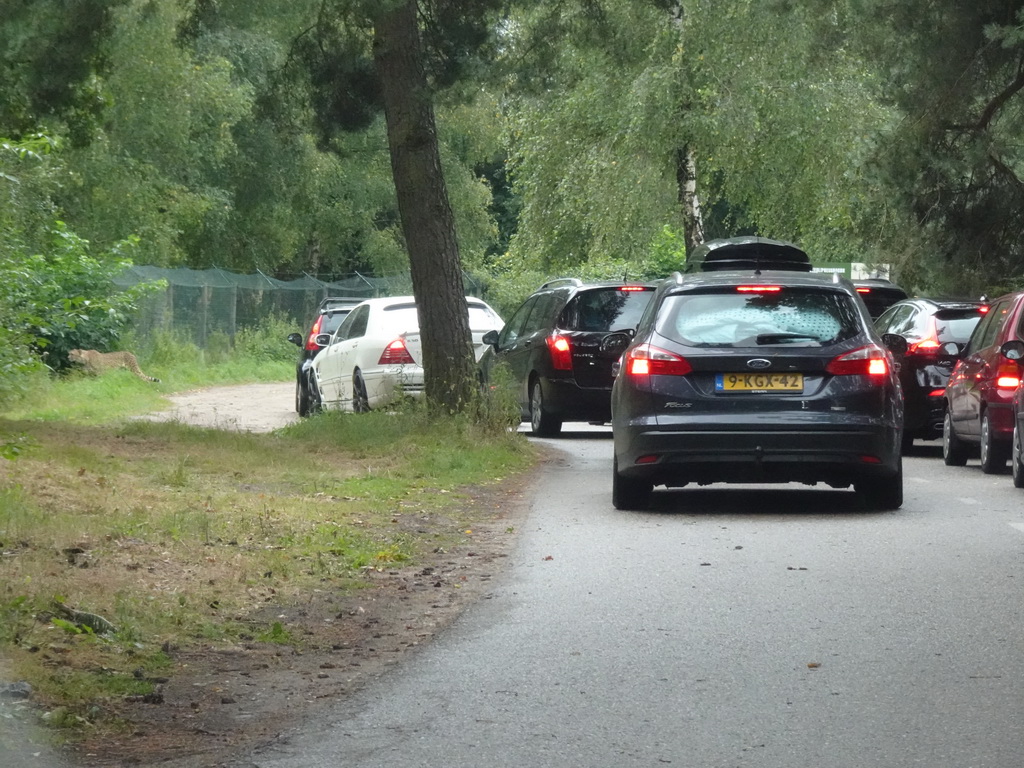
179, 534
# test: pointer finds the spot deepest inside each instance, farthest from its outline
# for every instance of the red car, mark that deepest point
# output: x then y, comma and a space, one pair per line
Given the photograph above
980, 391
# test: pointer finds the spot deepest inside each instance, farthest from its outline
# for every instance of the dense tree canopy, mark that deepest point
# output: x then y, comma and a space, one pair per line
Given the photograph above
574, 136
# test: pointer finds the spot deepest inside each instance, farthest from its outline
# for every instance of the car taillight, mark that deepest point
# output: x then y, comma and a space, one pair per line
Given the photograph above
561, 352
758, 288
646, 360
1008, 376
929, 345
869, 361
632, 288
924, 347
396, 353
311, 345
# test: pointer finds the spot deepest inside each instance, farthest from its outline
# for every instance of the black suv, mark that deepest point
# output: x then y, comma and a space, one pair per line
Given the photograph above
747, 373
552, 348
331, 312
879, 294
929, 326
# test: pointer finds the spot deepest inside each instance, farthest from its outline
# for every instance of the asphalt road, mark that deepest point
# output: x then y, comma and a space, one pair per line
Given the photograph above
729, 627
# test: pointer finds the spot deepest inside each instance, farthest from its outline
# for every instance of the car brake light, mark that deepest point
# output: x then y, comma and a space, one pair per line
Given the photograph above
632, 288
758, 288
1008, 376
929, 345
863, 290
924, 347
311, 345
983, 310
396, 353
561, 352
867, 361
646, 360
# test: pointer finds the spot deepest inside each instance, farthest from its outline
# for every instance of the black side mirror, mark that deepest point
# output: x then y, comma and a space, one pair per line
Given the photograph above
616, 343
1013, 350
491, 337
295, 338
895, 344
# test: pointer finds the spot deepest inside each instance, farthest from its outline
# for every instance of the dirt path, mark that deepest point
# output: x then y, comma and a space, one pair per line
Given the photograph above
219, 702
244, 407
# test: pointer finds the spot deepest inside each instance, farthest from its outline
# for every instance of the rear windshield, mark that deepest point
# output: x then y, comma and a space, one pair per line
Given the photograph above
878, 300
332, 319
731, 318
956, 325
608, 309
482, 317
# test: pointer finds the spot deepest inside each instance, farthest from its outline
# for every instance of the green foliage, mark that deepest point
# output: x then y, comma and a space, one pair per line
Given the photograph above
65, 298
267, 340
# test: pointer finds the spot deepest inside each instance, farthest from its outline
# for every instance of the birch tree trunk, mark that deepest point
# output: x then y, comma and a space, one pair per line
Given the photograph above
689, 203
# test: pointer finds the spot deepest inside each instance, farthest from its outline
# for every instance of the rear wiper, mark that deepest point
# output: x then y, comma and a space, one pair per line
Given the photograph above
776, 338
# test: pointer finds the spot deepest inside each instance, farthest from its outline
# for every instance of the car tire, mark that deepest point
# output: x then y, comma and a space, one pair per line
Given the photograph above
993, 453
629, 493
542, 421
302, 395
907, 443
360, 400
954, 450
1017, 457
316, 400
881, 494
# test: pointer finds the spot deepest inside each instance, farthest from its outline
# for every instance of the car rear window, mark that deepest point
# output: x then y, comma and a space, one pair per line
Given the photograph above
734, 317
602, 310
956, 325
482, 318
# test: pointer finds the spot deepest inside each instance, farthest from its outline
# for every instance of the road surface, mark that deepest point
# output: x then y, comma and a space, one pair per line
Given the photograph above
768, 627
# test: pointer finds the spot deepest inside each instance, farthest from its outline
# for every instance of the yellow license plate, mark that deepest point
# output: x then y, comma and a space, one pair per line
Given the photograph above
759, 382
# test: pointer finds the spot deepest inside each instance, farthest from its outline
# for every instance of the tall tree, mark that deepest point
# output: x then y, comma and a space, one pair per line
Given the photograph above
641, 109
419, 47
949, 173
423, 203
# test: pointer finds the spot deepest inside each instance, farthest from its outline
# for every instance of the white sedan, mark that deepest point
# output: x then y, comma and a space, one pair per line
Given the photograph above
375, 354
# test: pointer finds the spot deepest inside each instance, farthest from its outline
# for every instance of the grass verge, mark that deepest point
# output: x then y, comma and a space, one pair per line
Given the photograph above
120, 539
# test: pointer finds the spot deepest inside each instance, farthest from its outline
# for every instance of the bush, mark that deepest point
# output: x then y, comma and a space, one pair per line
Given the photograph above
267, 340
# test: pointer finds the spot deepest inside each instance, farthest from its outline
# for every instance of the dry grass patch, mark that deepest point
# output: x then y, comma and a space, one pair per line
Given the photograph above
177, 536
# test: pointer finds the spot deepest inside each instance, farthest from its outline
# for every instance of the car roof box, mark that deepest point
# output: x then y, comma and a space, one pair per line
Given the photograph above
747, 253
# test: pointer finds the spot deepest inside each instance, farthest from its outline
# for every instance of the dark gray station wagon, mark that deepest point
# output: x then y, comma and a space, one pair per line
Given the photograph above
745, 372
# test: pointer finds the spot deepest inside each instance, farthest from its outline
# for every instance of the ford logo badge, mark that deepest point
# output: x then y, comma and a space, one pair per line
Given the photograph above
759, 363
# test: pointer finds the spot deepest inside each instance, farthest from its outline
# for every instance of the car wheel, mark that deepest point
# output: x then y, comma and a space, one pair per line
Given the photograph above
881, 494
360, 400
907, 443
542, 421
954, 450
629, 493
1018, 458
993, 453
302, 396
316, 400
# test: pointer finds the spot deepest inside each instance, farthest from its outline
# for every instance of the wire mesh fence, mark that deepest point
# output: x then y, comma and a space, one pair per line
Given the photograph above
198, 303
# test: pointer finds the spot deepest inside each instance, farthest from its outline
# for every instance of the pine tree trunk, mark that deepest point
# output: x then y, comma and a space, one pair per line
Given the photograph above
427, 220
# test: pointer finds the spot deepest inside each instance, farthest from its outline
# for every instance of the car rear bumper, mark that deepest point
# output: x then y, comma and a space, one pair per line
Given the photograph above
570, 402
838, 456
